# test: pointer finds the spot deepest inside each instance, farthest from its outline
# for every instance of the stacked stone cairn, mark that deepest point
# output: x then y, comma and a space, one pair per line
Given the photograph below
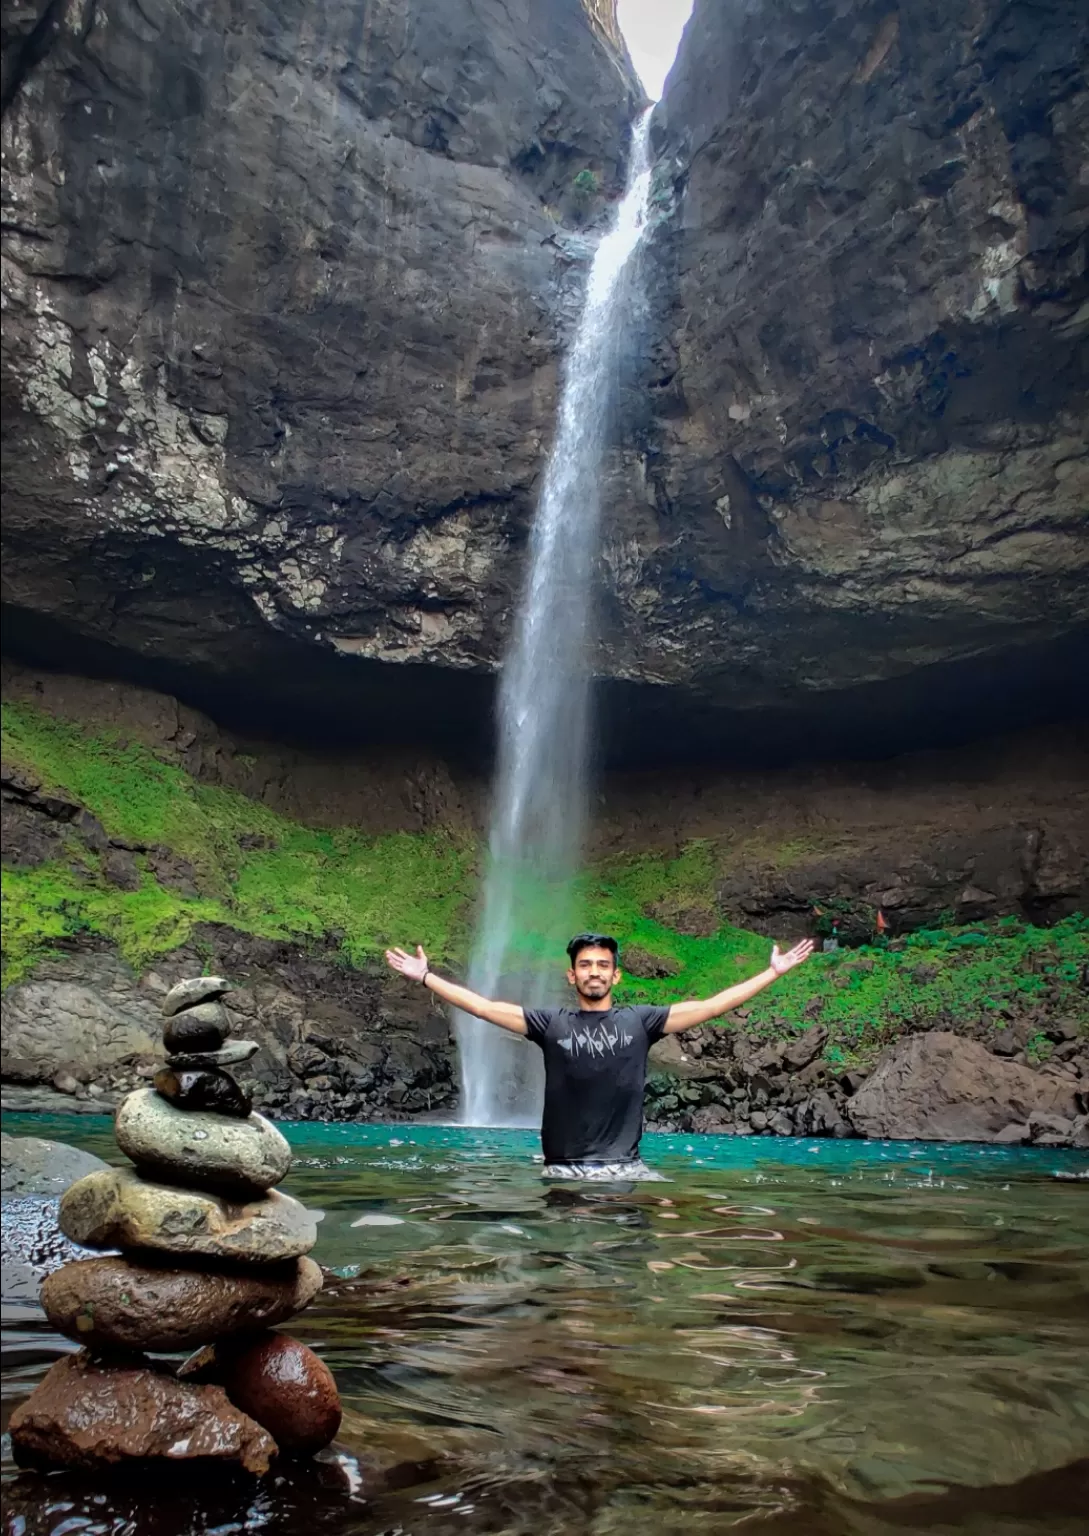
211, 1256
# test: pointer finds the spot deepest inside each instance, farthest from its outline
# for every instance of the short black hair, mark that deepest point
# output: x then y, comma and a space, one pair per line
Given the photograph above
583, 941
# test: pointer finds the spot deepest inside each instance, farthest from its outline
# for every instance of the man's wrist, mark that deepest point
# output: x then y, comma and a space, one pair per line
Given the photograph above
423, 978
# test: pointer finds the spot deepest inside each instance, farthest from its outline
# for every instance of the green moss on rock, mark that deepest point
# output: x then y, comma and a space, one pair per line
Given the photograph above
264, 874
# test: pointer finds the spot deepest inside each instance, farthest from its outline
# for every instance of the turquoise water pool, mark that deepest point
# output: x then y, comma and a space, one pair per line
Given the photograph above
791, 1336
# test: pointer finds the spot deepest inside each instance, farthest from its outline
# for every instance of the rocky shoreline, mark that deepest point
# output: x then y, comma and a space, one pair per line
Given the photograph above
929, 1086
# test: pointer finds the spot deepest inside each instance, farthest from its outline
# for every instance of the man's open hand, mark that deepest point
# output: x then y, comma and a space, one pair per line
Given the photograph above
781, 963
413, 966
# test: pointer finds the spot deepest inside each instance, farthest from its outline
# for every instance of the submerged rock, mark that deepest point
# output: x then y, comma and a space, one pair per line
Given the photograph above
938, 1087
29, 1165
285, 1387
203, 1028
84, 1415
190, 994
119, 1209
210, 1089
198, 1147
120, 1304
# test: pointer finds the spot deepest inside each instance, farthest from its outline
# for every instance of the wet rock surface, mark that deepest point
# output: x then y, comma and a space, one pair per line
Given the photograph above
118, 1303
85, 1415
200, 1148
283, 1386
209, 1089
120, 1209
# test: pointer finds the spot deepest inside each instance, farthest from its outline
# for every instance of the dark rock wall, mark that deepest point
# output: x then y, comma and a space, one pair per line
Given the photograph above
286, 293
286, 290
863, 458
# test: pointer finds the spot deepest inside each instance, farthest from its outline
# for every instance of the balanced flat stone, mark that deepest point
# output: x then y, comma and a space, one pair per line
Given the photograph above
187, 994
198, 1147
211, 1089
118, 1209
233, 1054
86, 1415
203, 1028
107, 1303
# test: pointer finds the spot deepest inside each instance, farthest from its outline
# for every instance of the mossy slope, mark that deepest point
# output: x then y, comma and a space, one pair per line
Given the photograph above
263, 874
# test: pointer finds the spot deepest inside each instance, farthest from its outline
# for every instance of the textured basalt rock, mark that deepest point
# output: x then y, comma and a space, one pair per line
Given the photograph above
865, 447
936, 1087
282, 375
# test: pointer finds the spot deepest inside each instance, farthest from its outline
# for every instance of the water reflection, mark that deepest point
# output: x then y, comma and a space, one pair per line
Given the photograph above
795, 1338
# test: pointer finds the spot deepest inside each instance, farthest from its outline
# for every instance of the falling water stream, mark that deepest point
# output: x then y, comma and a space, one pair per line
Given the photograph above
539, 803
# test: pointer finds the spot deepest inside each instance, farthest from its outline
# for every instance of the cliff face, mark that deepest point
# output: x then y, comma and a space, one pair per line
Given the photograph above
286, 294
865, 448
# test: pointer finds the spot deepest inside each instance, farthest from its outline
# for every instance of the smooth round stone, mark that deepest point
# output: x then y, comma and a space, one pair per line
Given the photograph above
212, 1090
187, 994
203, 1028
118, 1209
233, 1054
114, 1303
198, 1147
284, 1387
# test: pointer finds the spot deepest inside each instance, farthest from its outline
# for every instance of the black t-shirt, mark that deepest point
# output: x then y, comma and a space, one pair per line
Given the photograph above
595, 1073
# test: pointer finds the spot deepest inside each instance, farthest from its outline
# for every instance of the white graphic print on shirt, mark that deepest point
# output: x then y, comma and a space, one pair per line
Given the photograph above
595, 1042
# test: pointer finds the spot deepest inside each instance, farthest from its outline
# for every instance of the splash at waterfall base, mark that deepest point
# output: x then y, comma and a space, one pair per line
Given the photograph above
539, 808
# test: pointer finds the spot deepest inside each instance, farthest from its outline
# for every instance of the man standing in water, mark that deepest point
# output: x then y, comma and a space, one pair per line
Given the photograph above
595, 1055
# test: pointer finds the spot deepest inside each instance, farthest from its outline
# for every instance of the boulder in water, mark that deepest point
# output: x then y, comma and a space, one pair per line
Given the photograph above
30, 1165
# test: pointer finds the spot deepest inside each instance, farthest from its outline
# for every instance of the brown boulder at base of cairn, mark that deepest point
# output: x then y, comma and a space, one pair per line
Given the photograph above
118, 1304
87, 1415
207, 1090
283, 1386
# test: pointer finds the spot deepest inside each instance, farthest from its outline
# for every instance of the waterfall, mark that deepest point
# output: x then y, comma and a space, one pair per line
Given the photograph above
539, 799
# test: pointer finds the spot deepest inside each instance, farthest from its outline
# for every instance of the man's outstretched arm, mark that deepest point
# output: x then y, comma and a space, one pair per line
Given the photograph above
415, 967
688, 1015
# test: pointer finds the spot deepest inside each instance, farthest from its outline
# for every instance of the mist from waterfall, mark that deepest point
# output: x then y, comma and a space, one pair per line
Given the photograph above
539, 797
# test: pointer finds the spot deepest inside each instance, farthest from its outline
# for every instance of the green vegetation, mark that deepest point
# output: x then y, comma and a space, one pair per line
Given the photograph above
260, 873
256, 871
